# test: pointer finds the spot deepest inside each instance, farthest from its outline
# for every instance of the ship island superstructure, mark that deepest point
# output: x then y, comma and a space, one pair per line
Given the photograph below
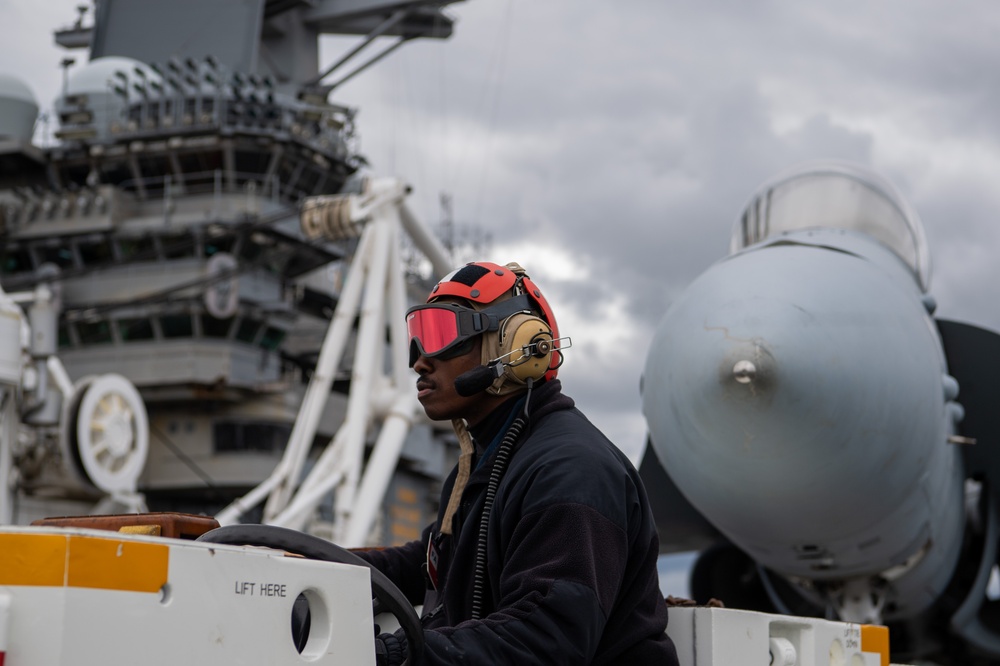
162, 228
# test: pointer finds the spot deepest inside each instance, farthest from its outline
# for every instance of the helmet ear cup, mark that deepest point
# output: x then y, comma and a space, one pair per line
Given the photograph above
520, 331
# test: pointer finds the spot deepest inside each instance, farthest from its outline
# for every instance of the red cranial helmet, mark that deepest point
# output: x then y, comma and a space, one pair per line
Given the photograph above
504, 306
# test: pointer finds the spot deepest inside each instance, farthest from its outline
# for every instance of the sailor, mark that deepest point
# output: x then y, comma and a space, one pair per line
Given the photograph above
544, 550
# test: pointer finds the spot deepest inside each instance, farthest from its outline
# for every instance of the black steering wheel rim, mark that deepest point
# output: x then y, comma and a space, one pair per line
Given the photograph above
386, 596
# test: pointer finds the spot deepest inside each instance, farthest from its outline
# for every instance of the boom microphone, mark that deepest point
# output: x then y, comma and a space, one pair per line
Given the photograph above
477, 380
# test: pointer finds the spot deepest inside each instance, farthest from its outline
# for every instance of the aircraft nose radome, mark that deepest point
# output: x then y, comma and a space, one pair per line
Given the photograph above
769, 394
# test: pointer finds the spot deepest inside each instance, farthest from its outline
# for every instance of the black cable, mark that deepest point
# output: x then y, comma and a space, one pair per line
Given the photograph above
496, 474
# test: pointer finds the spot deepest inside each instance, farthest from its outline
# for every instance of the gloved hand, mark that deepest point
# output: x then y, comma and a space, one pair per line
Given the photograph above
390, 649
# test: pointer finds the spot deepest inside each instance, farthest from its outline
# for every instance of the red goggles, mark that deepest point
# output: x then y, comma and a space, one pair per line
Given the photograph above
437, 329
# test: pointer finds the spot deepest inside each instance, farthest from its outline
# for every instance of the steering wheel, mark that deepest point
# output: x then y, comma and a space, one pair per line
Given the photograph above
386, 597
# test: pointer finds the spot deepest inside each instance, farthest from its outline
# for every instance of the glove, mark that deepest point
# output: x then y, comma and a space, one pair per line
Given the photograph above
390, 649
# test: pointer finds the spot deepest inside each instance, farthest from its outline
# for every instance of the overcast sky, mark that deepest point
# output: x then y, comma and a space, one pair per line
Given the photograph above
609, 146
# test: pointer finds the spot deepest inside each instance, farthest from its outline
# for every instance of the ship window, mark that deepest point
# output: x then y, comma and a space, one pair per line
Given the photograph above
95, 252
252, 162
309, 180
247, 330
140, 248
178, 246
61, 256
250, 436
132, 330
94, 332
177, 326
252, 247
272, 338
14, 260
278, 258
65, 340
301, 262
218, 244
189, 111
215, 328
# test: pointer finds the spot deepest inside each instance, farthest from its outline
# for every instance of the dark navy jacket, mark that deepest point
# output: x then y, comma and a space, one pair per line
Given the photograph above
571, 556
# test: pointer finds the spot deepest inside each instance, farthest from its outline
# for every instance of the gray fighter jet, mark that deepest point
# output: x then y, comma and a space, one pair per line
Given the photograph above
828, 445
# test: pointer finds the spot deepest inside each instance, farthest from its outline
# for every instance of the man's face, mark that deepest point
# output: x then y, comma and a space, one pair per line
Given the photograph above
436, 388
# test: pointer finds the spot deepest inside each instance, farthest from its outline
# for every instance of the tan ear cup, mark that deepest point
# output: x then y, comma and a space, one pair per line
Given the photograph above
521, 331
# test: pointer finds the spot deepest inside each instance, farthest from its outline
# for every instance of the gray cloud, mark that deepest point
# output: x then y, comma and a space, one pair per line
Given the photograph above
628, 135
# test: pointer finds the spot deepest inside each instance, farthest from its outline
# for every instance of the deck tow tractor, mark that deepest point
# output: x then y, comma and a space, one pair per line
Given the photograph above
149, 594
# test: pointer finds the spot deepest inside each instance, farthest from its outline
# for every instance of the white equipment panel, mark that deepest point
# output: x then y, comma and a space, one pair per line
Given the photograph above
76, 596
727, 637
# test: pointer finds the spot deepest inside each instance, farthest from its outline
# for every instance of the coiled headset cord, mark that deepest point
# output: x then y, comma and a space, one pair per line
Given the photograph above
496, 474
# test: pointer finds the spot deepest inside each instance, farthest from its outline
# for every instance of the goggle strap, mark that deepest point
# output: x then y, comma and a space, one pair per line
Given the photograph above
474, 322
501, 311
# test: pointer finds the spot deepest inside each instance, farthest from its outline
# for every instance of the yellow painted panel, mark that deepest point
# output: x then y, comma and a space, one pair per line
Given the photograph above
109, 564
875, 639
33, 559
